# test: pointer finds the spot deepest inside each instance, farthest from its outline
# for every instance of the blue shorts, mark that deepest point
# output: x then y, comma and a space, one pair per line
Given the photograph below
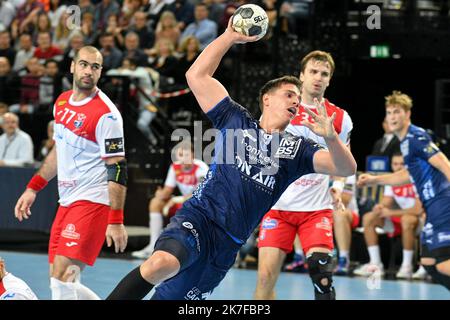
436, 232
211, 253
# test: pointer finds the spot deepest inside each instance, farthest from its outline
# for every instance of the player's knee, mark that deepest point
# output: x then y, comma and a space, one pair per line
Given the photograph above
156, 205
266, 277
444, 267
161, 266
70, 273
409, 222
321, 271
368, 219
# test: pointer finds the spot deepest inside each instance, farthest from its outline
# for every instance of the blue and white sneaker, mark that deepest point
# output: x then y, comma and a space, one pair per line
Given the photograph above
297, 265
342, 267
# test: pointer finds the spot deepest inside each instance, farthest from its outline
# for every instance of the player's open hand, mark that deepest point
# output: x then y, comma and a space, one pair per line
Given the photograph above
336, 196
23, 205
322, 124
365, 180
116, 233
238, 37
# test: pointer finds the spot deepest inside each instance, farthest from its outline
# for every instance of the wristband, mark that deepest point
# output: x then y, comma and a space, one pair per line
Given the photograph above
338, 185
37, 183
115, 216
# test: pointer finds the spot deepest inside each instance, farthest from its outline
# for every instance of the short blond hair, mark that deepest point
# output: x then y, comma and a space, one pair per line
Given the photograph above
399, 98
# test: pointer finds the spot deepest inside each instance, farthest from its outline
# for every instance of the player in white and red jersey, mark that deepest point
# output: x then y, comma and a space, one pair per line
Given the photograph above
88, 158
398, 213
185, 173
13, 288
305, 207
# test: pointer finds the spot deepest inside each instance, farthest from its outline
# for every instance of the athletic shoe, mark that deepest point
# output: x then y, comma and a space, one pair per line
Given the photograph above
368, 269
142, 254
297, 264
420, 274
342, 267
405, 272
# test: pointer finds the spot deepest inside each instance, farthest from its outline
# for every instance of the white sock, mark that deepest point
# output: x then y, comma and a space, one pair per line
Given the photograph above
71, 291
374, 254
407, 258
299, 252
343, 254
63, 290
156, 226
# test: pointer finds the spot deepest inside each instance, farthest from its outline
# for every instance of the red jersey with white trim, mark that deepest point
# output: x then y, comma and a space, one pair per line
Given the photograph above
311, 192
13, 288
86, 132
186, 180
405, 195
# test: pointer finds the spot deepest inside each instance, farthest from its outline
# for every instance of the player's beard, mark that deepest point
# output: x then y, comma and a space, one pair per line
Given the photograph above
83, 85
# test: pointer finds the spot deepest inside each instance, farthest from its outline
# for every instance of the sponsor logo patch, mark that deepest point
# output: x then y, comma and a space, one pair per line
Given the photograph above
114, 145
288, 148
269, 223
69, 232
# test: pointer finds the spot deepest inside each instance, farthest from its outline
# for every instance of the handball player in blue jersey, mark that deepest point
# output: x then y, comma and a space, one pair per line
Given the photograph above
429, 169
255, 161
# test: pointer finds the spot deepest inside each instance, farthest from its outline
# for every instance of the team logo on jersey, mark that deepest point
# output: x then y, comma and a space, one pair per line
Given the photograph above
80, 119
269, 223
61, 103
428, 229
69, 232
443, 236
288, 148
431, 148
187, 225
114, 145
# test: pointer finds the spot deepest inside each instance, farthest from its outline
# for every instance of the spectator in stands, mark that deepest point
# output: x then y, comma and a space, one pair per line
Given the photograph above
345, 218
216, 9
154, 9
185, 173
118, 33
103, 10
5, 47
47, 144
7, 13
112, 57
86, 6
55, 11
88, 28
41, 24
163, 61
143, 84
29, 88
202, 28
229, 10
26, 15
394, 221
75, 43
6, 81
145, 33
128, 10
63, 32
184, 12
167, 27
16, 146
46, 50
50, 86
132, 49
3, 110
26, 51
386, 145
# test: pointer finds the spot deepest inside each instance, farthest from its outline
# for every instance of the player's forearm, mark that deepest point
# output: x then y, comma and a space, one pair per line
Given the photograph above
208, 61
394, 179
49, 169
345, 164
117, 194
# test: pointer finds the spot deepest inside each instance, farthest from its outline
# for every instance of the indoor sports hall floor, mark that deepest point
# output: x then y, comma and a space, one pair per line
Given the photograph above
238, 284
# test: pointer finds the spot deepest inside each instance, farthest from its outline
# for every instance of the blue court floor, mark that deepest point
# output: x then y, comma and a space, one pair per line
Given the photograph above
239, 284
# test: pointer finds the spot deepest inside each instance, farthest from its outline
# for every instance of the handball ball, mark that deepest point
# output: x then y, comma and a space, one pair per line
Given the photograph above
250, 20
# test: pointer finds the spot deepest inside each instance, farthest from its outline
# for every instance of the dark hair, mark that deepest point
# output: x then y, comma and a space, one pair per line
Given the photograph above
275, 84
51, 61
397, 154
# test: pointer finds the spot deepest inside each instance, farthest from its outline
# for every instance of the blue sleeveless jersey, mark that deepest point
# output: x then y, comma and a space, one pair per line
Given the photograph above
250, 170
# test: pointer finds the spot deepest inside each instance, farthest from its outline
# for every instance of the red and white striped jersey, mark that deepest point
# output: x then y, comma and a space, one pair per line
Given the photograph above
186, 181
13, 288
86, 133
405, 195
311, 192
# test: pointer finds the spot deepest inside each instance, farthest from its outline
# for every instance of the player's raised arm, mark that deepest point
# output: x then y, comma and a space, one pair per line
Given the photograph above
207, 90
393, 179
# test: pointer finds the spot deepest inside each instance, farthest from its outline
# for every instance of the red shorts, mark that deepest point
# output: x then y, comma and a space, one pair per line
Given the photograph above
78, 231
315, 229
355, 220
397, 222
